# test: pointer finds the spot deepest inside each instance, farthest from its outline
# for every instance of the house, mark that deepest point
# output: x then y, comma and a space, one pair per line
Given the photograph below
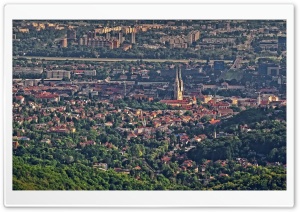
202, 136
48, 97
123, 77
123, 171
218, 105
264, 103
223, 175
213, 121
20, 99
187, 163
59, 130
23, 138
127, 47
221, 162
102, 166
87, 143
99, 116
109, 145
224, 112
165, 159
108, 124
137, 168
134, 76
196, 139
47, 141
15, 144
131, 135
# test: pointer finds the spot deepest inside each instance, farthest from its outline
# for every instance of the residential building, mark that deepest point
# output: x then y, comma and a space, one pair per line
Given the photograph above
58, 74
64, 43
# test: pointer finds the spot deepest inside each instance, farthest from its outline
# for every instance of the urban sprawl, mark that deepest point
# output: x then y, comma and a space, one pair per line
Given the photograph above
150, 105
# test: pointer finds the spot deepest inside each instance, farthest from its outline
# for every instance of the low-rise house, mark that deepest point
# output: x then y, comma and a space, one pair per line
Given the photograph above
46, 141
48, 97
165, 159
131, 135
108, 124
20, 99
87, 143
15, 144
102, 166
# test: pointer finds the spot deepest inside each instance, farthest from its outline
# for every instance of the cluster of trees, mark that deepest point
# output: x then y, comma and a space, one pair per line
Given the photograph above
251, 178
266, 140
80, 177
140, 104
255, 146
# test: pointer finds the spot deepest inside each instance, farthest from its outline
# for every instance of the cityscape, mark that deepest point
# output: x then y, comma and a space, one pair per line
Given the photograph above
149, 104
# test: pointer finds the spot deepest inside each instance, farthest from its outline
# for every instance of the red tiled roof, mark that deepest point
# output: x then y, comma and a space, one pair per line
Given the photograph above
166, 159
174, 101
46, 95
264, 102
50, 96
226, 111
19, 97
214, 121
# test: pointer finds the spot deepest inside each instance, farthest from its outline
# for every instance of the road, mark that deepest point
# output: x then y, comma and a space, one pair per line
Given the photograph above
114, 59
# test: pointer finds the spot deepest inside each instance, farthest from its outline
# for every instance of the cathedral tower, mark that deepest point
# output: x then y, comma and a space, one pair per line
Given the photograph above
178, 86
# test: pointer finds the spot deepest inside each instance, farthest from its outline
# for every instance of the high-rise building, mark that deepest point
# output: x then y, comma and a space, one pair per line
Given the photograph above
116, 44
85, 40
80, 41
58, 74
103, 42
120, 37
178, 86
193, 36
108, 36
64, 43
133, 37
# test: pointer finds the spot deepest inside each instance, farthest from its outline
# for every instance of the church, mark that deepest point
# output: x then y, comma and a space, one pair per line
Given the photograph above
178, 86
178, 100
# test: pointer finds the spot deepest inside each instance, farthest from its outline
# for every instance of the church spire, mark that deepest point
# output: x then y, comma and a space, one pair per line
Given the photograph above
179, 74
258, 99
178, 85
